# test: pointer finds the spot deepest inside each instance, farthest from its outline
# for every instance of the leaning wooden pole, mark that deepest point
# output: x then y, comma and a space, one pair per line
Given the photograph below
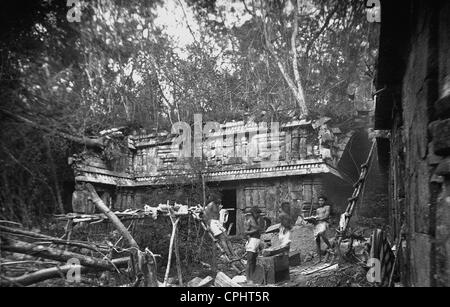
178, 260
145, 263
174, 221
203, 189
111, 216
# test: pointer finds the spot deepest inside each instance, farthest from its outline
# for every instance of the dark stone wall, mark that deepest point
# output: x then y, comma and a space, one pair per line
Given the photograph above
420, 148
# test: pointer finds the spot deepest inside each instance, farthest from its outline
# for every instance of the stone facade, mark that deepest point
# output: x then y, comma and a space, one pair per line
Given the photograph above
237, 164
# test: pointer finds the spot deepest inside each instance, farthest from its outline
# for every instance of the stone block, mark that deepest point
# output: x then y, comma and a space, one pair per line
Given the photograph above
295, 258
441, 136
432, 158
443, 168
442, 253
271, 270
442, 107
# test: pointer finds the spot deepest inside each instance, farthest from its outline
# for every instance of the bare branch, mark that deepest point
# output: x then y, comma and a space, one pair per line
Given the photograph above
20, 247
45, 274
297, 91
322, 29
247, 9
97, 143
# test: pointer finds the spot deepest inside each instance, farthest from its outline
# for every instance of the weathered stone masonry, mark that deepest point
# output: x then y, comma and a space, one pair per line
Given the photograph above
414, 71
307, 166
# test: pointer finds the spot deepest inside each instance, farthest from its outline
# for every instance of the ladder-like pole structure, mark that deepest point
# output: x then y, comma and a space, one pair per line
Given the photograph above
358, 187
216, 242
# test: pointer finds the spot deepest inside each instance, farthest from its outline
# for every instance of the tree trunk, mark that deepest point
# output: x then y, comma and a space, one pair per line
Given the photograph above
55, 177
15, 246
19, 232
296, 89
300, 93
56, 272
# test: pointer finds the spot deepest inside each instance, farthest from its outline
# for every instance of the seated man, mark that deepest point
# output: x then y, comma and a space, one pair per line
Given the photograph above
284, 237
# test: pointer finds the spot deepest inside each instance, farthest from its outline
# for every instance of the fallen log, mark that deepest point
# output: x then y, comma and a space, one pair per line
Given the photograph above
24, 233
37, 250
55, 272
20, 232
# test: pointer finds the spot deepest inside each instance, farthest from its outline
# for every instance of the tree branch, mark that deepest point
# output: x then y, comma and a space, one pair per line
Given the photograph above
41, 251
247, 9
45, 274
324, 26
38, 236
299, 96
95, 143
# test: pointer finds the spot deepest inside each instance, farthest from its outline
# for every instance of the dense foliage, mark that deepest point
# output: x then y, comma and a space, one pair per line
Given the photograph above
118, 67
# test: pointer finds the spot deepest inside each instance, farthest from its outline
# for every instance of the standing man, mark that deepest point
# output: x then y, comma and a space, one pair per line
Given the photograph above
322, 218
253, 228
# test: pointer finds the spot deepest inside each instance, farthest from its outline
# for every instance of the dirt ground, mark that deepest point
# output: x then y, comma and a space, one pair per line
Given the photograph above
327, 275
307, 274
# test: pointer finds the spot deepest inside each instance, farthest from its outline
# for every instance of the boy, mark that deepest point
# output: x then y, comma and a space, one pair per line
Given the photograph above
253, 228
